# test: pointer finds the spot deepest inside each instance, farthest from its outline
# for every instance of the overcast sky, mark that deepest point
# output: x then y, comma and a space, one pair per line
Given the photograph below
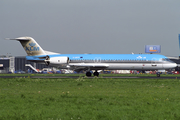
91, 26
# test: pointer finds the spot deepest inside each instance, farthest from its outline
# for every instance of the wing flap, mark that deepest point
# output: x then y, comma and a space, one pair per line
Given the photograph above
90, 65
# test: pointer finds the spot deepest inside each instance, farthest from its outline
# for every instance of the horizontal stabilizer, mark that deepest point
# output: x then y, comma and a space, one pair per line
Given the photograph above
20, 38
31, 47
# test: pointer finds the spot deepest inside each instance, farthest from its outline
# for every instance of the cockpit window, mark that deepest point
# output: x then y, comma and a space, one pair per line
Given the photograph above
165, 59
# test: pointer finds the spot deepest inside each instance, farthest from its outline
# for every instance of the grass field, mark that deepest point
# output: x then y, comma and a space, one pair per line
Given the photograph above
83, 74
89, 99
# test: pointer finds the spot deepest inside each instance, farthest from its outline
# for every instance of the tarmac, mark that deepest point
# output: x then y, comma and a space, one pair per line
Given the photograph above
75, 77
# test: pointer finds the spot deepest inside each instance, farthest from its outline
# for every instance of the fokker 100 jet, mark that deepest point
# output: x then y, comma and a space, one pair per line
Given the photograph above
88, 62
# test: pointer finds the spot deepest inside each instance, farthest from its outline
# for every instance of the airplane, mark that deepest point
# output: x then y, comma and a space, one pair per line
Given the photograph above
88, 62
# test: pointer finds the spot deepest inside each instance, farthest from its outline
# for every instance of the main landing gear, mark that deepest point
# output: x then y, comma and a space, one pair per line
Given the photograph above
158, 74
88, 74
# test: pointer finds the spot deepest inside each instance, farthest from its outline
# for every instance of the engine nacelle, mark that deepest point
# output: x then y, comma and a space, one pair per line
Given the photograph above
57, 60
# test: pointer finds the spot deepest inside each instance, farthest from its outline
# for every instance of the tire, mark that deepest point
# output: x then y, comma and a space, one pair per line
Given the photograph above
96, 74
88, 74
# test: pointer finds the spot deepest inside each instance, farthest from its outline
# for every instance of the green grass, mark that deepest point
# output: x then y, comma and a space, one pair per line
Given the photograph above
100, 75
86, 99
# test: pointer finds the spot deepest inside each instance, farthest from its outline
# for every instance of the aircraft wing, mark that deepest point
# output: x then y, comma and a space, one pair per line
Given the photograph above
79, 67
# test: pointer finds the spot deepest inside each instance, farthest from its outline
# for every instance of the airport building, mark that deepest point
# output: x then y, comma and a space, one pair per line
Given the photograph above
9, 64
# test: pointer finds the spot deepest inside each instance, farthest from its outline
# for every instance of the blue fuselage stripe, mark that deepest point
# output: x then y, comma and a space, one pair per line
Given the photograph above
134, 57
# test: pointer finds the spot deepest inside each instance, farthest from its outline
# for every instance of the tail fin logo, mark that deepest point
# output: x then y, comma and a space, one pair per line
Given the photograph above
32, 44
32, 47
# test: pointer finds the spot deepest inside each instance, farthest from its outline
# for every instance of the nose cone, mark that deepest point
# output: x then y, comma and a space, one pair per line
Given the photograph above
169, 65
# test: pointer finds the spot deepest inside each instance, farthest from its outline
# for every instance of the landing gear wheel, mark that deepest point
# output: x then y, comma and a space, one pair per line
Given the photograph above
158, 75
96, 74
88, 74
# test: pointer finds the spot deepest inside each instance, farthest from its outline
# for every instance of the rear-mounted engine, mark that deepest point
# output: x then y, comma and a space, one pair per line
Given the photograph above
56, 60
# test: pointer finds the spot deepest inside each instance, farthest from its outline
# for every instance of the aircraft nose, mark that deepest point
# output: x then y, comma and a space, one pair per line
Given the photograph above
173, 65
170, 65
